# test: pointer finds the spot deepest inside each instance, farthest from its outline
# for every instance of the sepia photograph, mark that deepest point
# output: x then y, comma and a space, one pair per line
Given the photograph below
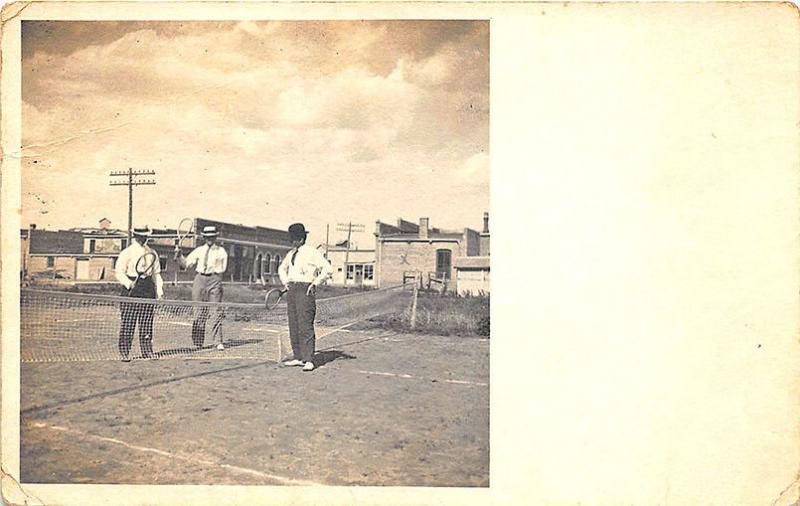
255, 253
246, 253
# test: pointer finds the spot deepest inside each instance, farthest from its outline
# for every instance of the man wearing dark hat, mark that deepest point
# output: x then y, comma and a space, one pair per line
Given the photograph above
301, 271
211, 261
142, 287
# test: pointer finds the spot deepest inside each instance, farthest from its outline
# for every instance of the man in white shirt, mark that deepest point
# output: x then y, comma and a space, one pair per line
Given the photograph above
147, 287
211, 261
302, 270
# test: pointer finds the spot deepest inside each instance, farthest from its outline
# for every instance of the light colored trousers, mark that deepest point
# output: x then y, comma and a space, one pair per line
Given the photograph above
207, 289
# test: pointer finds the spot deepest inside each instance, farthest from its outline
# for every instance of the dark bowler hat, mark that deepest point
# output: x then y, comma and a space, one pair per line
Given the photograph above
297, 231
143, 231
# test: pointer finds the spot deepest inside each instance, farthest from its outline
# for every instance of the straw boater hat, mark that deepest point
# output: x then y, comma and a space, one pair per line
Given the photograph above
297, 231
143, 231
210, 231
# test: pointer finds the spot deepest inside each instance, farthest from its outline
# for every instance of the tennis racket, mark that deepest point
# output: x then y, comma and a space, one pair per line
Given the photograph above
144, 268
185, 231
273, 297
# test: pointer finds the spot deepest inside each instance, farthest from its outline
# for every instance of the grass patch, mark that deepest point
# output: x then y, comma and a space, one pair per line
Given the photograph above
444, 315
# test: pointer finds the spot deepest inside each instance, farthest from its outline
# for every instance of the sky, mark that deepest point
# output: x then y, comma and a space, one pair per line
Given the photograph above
258, 123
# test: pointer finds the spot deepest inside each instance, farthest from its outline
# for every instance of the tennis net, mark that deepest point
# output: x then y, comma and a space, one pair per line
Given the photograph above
60, 326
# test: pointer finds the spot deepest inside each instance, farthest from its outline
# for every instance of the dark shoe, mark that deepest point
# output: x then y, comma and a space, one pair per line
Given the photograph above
126, 358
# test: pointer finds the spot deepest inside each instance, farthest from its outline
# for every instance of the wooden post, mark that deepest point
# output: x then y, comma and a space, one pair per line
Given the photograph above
417, 280
347, 254
349, 227
327, 241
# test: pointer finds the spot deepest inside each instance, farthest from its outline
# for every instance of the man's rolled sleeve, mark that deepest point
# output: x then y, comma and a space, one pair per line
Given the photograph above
120, 270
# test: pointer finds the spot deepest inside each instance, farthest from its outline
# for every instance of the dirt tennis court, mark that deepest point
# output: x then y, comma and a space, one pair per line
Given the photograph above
383, 409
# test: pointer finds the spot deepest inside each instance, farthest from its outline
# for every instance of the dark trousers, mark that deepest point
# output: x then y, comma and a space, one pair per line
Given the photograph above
132, 313
207, 289
302, 309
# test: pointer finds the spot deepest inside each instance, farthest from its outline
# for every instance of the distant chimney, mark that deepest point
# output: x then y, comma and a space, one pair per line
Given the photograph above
33, 226
423, 228
485, 223
104, 223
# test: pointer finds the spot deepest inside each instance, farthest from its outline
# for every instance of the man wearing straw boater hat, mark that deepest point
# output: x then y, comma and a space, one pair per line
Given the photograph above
301, 271
136, 285
211, 261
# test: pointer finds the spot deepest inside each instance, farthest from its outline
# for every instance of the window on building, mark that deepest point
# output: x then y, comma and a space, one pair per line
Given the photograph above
277, 263
267, 264
51, 262
163, 262
257, 263
92, 244
443, 263
359, 271
124, 244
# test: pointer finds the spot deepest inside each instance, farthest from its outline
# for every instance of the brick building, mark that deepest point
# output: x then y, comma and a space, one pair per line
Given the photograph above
53, 254
472, 271
254, 253
407, 248
88, 254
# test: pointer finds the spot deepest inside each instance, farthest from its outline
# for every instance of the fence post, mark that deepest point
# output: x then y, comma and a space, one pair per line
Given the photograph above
417, 281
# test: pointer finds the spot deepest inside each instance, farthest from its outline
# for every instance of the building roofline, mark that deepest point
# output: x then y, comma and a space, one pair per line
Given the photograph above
472, 262
418, 239
352, 250
93, 255
253, 243
445, 234
254, 227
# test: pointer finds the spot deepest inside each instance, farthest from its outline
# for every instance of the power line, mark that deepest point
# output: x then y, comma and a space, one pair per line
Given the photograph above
133, 179
349, 228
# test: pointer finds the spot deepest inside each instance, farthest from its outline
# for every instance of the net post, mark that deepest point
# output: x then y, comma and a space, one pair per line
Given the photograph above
417, 281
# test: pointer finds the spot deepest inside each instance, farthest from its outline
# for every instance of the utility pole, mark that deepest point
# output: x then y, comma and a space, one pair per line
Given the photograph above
132, 179
349, 228
327, 239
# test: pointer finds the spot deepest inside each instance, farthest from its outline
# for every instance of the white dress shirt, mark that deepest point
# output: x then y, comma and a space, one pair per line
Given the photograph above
309, 266
213, 261
125, 268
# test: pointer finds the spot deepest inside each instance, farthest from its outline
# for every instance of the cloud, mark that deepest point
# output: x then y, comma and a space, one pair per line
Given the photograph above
349, 115
476, 166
